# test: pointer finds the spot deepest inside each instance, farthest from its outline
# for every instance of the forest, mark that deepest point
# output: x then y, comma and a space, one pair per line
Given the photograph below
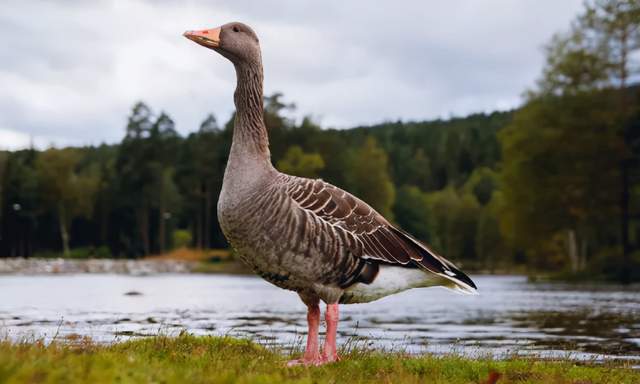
551, 186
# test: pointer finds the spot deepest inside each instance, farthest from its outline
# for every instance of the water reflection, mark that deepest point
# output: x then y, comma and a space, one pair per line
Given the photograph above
509, 317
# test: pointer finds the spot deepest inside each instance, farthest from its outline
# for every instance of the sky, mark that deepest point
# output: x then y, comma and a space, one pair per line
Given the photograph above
71, 70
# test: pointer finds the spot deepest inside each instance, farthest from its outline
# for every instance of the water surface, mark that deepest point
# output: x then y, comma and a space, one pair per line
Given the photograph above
510, 316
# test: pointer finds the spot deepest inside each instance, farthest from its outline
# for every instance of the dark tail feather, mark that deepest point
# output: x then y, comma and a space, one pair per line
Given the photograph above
438, 264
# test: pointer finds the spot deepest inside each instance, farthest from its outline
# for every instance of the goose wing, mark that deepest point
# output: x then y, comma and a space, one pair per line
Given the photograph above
369, 234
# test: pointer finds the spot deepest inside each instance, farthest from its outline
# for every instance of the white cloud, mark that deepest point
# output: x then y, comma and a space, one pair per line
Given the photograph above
70, 70
13, 140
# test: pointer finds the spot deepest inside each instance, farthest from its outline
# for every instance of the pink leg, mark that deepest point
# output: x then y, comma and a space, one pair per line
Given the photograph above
330, 350
313, 319
311, 354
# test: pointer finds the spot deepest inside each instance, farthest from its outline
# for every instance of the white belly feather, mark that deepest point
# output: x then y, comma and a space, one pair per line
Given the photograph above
392, 279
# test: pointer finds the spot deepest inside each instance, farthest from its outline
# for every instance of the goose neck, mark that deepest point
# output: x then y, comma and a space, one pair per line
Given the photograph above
250, 133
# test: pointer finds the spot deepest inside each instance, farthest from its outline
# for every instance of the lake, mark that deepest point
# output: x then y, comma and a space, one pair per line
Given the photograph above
510, 316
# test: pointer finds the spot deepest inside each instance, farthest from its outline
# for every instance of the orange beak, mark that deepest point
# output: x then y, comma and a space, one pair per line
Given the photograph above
209, 38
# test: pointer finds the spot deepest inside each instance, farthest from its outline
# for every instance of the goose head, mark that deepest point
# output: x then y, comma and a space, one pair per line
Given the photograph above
235, 41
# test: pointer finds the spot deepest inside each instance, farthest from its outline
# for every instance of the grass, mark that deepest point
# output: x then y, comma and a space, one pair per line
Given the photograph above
77, 253
194, 254
207, 260
190, 359
232, 267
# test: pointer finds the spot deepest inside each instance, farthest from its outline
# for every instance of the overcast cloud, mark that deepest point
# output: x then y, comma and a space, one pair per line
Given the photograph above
71, 70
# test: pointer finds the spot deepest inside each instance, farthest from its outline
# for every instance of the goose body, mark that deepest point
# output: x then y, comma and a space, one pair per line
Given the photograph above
313, 238
307, 235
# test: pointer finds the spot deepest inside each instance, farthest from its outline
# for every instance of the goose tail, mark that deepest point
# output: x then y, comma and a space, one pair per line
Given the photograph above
461, 283
453, 277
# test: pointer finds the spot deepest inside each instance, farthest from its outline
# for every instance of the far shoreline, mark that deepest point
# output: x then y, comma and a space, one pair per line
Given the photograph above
223, 261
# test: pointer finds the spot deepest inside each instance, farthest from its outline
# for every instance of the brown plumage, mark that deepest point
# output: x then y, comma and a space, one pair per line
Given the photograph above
307, 235
365, 233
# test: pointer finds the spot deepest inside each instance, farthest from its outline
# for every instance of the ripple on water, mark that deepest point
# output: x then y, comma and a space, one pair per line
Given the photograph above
509, 317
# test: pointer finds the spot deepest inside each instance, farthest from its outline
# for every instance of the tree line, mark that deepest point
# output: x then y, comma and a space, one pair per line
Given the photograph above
133, 197
552, 185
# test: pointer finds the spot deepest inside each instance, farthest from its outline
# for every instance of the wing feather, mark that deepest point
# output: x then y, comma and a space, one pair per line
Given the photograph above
369, 235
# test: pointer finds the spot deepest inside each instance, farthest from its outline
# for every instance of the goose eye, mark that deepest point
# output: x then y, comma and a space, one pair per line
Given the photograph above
235, 29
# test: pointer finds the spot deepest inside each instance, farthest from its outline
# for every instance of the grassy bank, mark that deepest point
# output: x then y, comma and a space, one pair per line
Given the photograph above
188, 359
207, 260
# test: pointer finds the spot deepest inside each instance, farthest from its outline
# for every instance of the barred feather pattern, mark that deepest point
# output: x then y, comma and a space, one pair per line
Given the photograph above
369, 234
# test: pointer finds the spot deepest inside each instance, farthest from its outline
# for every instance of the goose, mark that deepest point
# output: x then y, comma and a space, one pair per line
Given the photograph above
306, 235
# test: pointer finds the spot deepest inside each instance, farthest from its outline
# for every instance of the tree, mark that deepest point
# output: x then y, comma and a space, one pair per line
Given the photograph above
612, 28
164, 145
482, 183
135, 177
491, 247
368, 177
575, 130
571, 67
67, 190
297, 162
560, 173
454, 222
199, 172
412, 212
144, 168
103, 159
418, 168
4, 157
599, 50
22, 203
334, 149
277, 124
